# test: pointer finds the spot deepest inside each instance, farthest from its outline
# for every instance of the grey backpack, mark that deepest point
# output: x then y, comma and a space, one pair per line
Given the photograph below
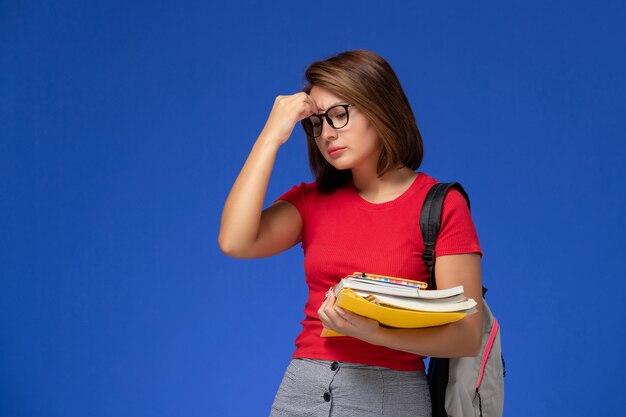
468, 386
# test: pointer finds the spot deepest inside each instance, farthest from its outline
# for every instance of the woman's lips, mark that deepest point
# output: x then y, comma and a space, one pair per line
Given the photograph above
335, 150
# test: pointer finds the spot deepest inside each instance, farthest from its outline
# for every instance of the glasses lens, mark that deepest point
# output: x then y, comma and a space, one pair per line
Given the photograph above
313, 125
339, 116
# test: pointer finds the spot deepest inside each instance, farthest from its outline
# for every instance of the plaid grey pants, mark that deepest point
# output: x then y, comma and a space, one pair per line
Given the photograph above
315, 388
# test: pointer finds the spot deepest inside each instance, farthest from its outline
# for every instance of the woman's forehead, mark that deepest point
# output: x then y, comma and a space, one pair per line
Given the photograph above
325, 98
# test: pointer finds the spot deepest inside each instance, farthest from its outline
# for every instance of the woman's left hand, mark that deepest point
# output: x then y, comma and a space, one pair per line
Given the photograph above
344, 322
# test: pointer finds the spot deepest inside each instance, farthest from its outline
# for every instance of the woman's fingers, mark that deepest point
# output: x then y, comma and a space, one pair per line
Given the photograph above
332, 317
298, 106
309, 104
286, 112
326, 309
342, 321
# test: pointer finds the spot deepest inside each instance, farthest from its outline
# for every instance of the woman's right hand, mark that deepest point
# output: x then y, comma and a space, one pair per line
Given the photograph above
246, 230
286, 112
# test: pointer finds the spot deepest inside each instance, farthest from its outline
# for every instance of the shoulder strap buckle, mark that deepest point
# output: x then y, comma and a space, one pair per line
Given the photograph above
429, 257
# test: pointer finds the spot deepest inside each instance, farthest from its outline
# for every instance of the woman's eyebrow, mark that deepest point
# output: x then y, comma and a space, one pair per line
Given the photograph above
332, 105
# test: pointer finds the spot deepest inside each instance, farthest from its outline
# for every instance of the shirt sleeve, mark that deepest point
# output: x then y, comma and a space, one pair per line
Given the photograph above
296, 196
457, 234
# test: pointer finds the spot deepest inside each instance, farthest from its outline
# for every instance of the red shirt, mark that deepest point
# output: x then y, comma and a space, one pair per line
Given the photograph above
343, 233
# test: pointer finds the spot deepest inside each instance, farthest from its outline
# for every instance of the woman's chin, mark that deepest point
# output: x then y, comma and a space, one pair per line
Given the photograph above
338, 163
340, 167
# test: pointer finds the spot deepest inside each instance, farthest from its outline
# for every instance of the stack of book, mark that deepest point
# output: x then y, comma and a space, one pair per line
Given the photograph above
401, 303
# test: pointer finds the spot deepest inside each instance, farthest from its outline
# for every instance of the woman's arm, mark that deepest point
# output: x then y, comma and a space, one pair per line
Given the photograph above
462, 338
246, 230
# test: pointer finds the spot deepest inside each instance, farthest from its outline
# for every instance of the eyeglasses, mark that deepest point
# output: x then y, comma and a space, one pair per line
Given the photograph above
336, 116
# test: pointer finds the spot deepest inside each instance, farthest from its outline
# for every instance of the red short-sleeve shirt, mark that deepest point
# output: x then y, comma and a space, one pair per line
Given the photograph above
343, 233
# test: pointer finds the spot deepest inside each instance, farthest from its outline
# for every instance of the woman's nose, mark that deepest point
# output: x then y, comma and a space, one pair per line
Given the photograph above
328, 132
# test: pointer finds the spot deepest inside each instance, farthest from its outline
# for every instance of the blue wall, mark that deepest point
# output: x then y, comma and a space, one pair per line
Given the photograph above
122, 127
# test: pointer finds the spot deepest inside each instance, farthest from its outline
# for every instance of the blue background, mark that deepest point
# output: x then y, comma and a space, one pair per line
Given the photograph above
124, 124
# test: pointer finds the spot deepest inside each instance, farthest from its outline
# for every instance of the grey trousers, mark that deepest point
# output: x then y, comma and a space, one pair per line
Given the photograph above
314, 388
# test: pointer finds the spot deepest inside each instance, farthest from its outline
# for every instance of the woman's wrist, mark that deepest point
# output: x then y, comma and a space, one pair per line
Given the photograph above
268, 139
377, 336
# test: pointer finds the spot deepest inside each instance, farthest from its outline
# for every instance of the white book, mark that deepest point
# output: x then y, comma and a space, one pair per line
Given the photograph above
446, 300
395, 289
465, 305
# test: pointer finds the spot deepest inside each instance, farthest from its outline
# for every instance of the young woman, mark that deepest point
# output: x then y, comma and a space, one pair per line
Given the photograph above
360, 214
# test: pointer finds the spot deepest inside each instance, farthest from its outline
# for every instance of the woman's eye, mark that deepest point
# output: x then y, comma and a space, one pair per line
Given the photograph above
314, 121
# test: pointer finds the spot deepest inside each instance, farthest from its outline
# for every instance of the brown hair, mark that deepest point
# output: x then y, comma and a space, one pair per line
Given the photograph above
366, 80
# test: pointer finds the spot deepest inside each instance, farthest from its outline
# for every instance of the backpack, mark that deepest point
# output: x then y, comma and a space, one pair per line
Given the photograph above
467, 386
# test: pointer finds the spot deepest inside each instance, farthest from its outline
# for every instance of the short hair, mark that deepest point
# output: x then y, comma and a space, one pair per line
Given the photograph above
366, 80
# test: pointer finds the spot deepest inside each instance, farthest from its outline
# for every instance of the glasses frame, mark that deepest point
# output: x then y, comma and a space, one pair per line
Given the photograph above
324, 116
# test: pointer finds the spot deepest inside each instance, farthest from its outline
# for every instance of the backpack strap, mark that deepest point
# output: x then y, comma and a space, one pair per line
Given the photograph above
430, 222
439, 368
